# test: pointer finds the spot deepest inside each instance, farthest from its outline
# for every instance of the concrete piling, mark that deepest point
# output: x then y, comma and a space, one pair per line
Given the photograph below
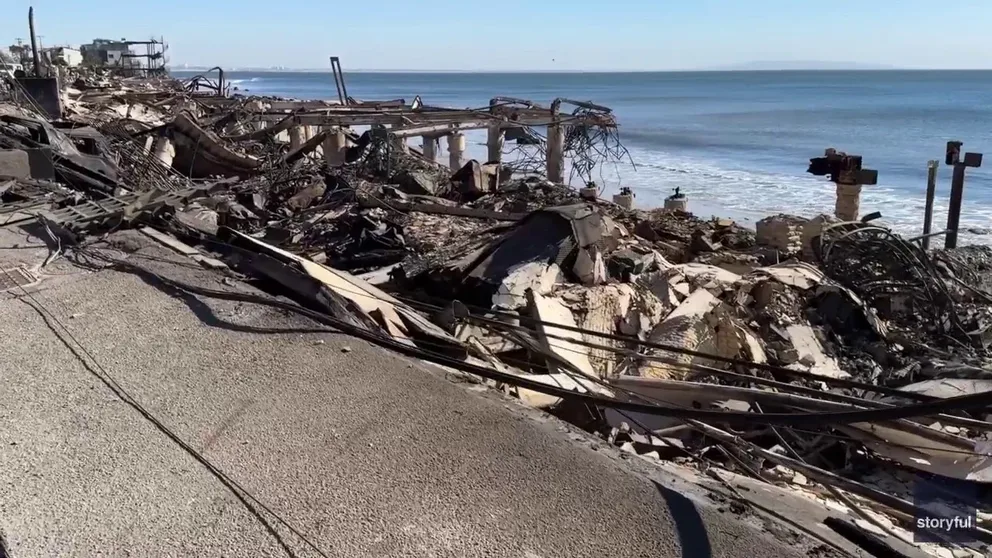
848, 204
335, 146
296, 137
456, 148
494, 144
846, 172
429, 147
624, 199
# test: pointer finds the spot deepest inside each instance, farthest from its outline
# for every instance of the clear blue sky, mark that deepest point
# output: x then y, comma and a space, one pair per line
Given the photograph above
527, 35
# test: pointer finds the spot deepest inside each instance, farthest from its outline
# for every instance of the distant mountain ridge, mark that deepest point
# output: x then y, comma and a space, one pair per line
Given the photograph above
758, 66
793, 65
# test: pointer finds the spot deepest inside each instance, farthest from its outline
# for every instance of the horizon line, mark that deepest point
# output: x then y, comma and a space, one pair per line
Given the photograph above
576, 71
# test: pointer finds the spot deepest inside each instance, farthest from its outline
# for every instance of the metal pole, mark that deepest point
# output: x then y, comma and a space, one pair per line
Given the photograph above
931, 192
954, 210
960, 163
34, 44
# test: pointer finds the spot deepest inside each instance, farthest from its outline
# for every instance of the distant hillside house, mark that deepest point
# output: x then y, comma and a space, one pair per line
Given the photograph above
104, 52
65, 56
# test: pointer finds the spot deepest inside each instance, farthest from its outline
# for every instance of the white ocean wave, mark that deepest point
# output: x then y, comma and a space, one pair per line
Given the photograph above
749, 195
753, 193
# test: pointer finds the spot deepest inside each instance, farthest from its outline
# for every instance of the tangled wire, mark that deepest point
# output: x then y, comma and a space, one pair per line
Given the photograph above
589, 147
893, 274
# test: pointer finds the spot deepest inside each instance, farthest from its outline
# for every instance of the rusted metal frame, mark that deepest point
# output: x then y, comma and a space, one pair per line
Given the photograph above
339, 80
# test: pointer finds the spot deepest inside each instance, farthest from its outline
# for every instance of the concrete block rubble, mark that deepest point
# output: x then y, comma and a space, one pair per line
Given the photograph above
834, 358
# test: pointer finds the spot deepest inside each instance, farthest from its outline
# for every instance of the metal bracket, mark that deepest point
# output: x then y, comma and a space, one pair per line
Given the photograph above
953, 156
842, 168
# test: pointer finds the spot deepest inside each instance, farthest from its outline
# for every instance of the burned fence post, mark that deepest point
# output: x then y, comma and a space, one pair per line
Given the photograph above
496, 135
456, 148
931, 191
845, 171
556, 145
953, 157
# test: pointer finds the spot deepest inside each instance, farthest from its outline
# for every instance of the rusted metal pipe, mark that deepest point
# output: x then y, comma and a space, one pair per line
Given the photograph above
556, 145
953, 157
931, 192
34, 44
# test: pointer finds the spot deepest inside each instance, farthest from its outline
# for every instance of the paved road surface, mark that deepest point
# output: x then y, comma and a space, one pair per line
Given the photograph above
362, 452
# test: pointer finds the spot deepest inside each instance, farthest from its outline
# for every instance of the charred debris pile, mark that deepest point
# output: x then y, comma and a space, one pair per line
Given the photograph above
833, 357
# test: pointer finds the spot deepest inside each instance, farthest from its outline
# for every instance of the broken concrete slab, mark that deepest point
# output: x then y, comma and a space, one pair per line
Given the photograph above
782, 232
707, 276
306, 196
949, 387
660, 284
418, 182
590, 266
475, 179
565, 343
794, 274
601, 310
27, 163
685, 328
927, 450
536, 276
811, 353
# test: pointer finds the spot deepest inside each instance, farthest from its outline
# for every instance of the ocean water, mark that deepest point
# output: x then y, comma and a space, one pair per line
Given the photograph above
737, 143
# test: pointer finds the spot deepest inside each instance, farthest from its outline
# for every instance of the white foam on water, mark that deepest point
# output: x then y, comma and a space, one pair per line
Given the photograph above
756, 193
748, 195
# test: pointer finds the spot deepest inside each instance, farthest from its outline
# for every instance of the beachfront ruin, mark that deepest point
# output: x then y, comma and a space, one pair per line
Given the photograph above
815, 363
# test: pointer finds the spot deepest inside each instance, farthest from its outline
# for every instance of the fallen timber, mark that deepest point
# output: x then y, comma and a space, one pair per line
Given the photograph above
696, 342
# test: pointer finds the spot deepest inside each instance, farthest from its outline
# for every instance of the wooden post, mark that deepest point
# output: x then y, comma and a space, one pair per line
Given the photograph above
556, 147
931, 192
